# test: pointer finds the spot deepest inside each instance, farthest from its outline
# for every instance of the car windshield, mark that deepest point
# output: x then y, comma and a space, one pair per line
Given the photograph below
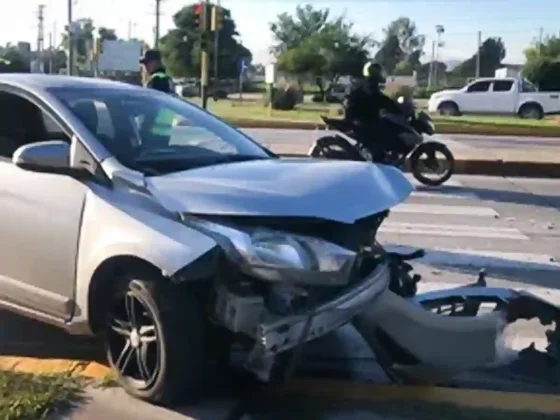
156, 133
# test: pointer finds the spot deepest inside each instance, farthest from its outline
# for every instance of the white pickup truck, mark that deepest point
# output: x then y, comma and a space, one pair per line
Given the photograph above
496, 96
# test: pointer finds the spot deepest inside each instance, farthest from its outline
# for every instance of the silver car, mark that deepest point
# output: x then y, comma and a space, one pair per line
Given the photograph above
134, 215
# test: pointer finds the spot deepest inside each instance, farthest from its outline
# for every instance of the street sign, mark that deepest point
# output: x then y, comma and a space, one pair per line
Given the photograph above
243, 66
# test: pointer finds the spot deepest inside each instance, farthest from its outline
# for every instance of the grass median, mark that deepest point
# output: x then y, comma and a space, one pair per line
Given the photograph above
252, 113
26, 396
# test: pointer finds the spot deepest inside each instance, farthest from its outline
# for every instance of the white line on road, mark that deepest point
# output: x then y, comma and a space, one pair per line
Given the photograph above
461, 195
479, 259
446, 210
451, 230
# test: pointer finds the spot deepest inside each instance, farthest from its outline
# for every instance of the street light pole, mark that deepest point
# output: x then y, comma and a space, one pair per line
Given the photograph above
70, 64
439, 30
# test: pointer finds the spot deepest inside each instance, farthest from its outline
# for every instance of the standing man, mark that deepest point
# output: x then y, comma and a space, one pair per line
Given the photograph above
158, 78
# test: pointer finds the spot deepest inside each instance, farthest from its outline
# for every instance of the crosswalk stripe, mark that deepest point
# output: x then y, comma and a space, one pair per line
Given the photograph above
461, 195
479, 258
436, 209
451, 230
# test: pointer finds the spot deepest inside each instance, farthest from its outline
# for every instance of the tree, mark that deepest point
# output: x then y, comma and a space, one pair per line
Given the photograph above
544, 72
290, 31
309, 44
423, 72
11, 61
549, 48
106, 34
84, 37
402, 43
181, 46
492, 52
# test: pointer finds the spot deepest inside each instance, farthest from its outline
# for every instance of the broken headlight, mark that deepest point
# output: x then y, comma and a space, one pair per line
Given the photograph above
279, 256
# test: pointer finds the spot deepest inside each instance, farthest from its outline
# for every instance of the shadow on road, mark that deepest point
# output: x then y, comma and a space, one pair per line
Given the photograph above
24, 337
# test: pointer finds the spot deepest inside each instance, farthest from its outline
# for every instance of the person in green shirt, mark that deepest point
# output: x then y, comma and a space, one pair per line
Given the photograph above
158, 78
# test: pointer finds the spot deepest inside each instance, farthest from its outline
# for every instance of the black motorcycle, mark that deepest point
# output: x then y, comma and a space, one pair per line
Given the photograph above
408, 145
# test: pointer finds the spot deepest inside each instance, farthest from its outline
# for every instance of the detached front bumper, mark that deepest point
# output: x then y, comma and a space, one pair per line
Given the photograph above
283, 334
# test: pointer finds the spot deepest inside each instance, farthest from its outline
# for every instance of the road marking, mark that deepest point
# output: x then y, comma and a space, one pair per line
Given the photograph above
461, 195
449, 183
436, 209
482, 258
451, 230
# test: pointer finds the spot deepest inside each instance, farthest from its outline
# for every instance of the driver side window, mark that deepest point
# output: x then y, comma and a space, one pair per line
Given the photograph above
479, 87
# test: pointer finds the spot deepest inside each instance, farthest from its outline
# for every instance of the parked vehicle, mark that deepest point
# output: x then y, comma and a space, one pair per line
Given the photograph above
508, 96
136, 216
410, 144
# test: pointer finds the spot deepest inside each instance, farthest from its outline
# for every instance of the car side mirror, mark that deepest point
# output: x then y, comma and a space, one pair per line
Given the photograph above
45, 156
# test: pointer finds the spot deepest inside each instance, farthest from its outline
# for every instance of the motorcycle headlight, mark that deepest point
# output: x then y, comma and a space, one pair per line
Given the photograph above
278, 256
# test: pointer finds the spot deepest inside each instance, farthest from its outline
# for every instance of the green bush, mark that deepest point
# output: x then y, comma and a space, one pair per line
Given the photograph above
544, 72
285, 97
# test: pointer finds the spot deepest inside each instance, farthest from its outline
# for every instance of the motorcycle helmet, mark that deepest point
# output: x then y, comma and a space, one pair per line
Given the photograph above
374, 72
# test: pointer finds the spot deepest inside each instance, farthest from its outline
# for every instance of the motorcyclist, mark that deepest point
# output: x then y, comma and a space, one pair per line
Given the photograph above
364, 102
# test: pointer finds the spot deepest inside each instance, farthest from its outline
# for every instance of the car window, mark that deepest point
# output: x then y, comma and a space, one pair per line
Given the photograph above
502, 85
479, 87
145, 128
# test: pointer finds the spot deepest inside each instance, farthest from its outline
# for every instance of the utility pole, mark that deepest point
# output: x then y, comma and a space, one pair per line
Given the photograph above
541, 32
70, 64
51, 51
439, 31
158, 15
204, 55
216, 45
431, 72
479, 45
40, 34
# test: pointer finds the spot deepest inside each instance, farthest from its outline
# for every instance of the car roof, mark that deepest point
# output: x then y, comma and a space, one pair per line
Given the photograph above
40, 81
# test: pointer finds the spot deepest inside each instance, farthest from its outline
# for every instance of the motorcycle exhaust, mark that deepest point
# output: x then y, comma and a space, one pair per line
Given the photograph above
441, 346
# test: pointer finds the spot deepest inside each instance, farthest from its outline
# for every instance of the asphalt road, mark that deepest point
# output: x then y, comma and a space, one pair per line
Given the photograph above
304, 138
509, 226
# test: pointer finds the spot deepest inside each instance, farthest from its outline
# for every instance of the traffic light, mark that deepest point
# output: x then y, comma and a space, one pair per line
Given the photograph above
200, 15
217, 20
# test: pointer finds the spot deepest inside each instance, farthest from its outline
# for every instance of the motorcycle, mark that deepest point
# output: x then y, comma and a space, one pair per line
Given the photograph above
409, 145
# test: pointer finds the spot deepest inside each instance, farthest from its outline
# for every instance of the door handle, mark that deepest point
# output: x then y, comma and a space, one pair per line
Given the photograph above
553, 96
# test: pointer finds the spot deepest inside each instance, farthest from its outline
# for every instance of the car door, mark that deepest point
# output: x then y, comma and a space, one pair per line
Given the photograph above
475, 98
504, 97
40, 217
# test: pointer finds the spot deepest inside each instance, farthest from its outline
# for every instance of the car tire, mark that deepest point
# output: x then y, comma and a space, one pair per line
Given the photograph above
449, 109
531, 111
155, 341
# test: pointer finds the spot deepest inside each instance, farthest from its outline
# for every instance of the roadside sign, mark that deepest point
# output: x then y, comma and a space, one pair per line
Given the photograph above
243, 66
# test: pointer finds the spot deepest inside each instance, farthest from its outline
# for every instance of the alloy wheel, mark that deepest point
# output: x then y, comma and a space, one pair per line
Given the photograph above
133, 341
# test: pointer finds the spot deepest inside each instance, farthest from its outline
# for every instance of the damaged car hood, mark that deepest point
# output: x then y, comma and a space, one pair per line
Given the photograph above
342, 191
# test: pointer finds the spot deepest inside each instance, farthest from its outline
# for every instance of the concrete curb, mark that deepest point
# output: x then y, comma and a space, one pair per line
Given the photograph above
441, 127
493, 167
331, 389
345, 390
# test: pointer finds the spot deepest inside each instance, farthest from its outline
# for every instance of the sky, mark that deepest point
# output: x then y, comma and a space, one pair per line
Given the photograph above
518, 22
